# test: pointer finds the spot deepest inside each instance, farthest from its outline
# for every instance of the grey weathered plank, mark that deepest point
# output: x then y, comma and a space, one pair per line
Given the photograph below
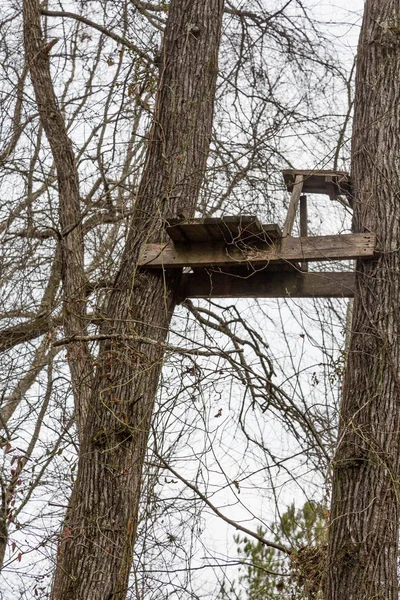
318, 248
294, 201
331, 183
272, 232
267, 284
242, 228
303, 225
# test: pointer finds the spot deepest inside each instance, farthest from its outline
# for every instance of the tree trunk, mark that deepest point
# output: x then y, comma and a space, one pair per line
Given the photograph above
96, 546
363, 533
3, 523
70, 217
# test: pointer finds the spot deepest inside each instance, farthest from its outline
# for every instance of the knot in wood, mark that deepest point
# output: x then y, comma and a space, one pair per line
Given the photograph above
193, 29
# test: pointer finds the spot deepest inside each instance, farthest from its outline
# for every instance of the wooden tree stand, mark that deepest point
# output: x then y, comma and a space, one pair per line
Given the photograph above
238, 257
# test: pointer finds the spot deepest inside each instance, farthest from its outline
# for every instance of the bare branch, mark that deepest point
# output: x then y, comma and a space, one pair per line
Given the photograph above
237, 526
114, 36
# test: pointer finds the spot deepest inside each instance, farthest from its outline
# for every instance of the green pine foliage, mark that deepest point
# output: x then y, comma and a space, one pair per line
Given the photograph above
266, 574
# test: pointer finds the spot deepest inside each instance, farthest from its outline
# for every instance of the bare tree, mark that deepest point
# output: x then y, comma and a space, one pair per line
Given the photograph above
364, 529
114, 410
96, 91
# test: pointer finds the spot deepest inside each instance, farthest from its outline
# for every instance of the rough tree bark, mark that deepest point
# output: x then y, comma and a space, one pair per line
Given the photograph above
363, 533
96, 546
70, 218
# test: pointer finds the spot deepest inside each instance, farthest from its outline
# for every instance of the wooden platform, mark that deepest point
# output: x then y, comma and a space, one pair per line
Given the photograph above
239, 257
331, 183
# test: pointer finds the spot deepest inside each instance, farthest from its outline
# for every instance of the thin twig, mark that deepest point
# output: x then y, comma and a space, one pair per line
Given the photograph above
237, 526
114, 36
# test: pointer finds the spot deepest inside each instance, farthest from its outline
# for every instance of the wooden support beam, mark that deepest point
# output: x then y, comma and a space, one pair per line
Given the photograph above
316, 248
266, 284
294, 200
303, 225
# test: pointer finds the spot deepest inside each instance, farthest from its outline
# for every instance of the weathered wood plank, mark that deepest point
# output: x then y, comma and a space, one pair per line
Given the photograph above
303, 225
272, 232
232, 229
266, 284
331, 183
318, 248
294, 201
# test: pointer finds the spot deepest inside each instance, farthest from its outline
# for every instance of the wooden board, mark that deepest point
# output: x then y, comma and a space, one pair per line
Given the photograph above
303, 225
294, 200
268, 284
318, 248
230, 230
332, 183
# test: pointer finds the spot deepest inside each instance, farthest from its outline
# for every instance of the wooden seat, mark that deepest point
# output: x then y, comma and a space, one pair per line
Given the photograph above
331, 183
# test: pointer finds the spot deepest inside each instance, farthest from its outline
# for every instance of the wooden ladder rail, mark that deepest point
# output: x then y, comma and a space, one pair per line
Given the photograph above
294, 201
303, 227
